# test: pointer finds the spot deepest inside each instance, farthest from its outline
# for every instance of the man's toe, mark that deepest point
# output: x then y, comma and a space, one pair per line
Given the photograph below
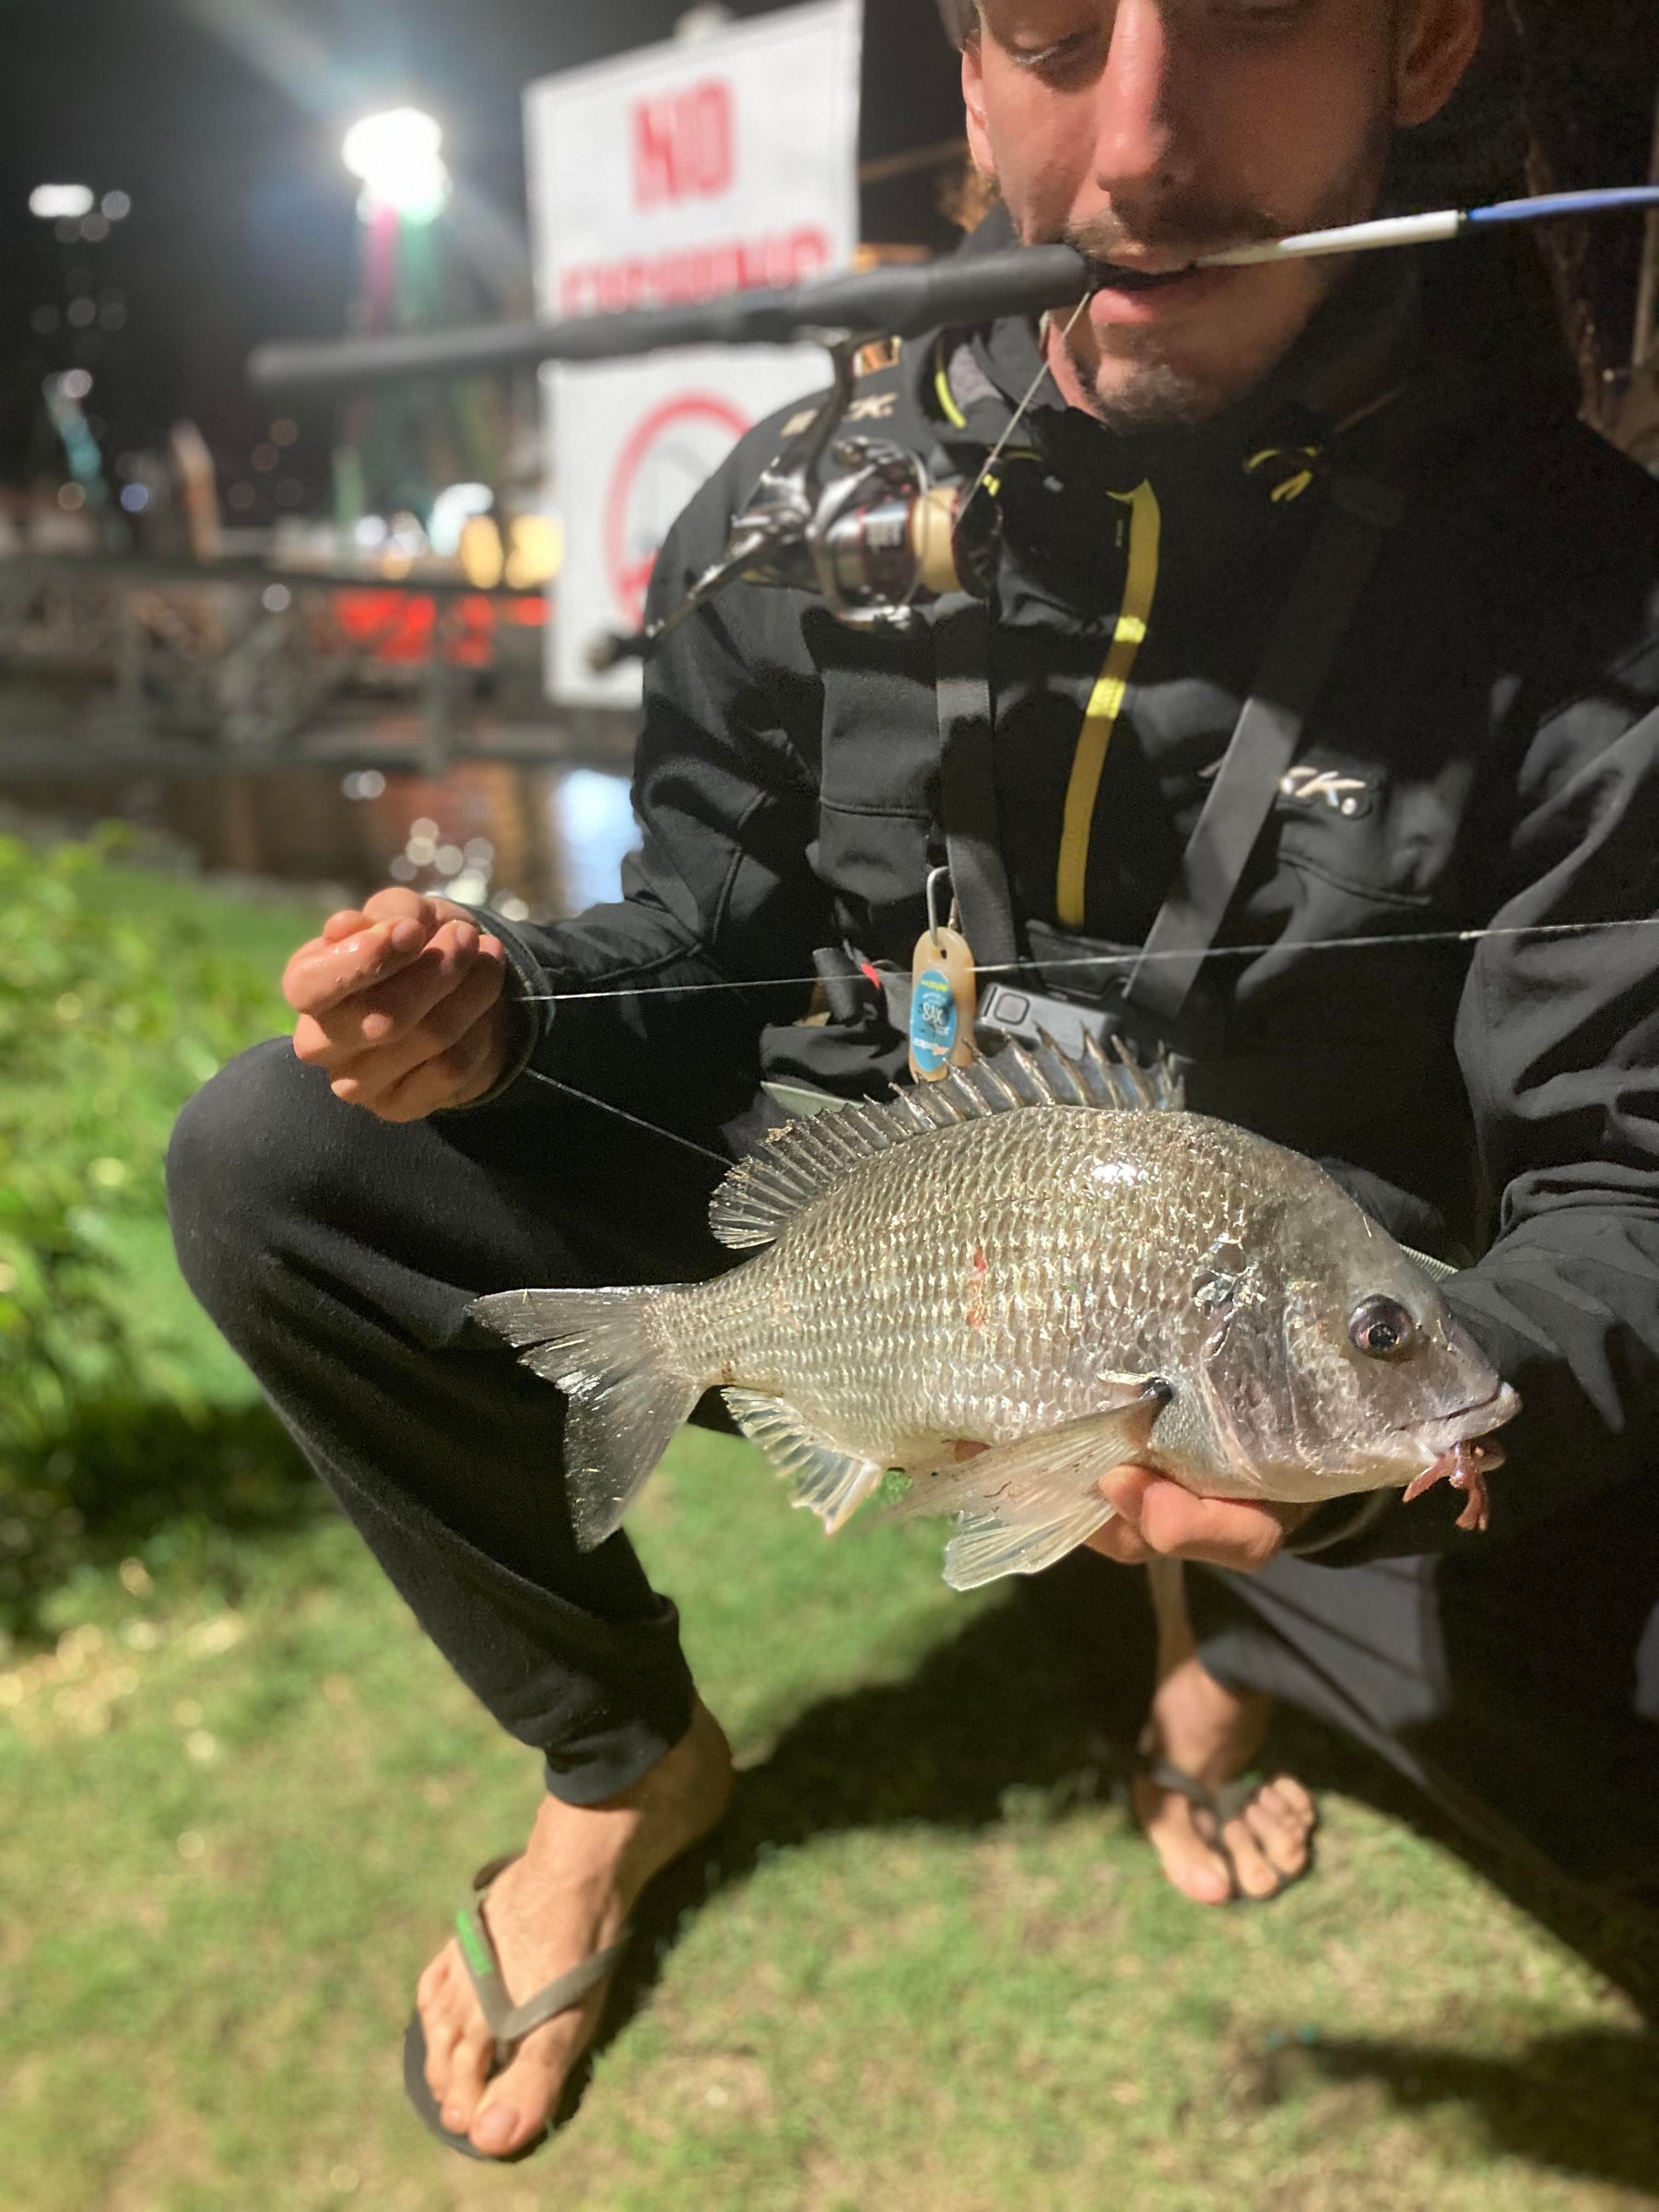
1282, 1842
1189, 1864
523, 2096
468, 2077
1290, 1800
1257, 1875
442, 2037
1196, 1869
498, 2131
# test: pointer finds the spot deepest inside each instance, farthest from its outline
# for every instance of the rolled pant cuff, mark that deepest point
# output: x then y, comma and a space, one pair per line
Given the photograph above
602, 1765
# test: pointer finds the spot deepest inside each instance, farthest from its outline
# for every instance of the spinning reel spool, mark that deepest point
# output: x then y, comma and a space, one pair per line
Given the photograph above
855, 521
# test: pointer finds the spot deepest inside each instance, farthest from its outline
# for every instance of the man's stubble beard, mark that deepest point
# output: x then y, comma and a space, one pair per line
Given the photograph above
1161, 393
1150, 393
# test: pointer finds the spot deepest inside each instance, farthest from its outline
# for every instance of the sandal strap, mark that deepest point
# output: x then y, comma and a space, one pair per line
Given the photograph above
1222, 1805
509, 2023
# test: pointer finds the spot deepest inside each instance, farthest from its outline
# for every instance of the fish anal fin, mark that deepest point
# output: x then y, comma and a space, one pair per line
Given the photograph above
827, 1481
1024, 1505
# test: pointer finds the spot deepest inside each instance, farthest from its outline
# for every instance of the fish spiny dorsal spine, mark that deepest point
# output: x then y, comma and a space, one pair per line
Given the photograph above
805, 1161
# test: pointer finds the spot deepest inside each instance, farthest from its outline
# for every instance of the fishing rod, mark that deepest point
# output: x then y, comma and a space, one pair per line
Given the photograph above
898, 302
856, 521
873, 537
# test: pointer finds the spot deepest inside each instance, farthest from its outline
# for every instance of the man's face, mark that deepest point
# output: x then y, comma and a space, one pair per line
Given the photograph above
1150, 132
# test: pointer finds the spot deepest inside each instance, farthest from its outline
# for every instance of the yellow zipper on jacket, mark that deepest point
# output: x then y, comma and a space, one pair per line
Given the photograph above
1106, 703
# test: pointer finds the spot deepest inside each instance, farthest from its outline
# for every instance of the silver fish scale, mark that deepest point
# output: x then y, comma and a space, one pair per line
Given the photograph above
982, 1281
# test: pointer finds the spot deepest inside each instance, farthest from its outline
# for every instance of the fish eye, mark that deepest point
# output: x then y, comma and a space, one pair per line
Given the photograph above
1382, 1329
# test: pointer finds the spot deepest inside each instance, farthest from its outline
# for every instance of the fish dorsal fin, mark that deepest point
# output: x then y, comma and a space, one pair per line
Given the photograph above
1437, 1271
803, 1161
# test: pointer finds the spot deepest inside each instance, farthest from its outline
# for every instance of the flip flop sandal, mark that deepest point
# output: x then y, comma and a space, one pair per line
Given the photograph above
1219, 1807
508, 2022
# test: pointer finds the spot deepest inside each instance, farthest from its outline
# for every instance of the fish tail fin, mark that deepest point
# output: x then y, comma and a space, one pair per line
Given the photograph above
626, 1394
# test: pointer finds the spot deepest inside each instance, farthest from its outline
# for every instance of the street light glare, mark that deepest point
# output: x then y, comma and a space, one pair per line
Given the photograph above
398, 156
60, 203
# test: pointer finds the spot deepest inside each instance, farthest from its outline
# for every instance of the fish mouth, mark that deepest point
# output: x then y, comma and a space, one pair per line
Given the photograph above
1439, 1436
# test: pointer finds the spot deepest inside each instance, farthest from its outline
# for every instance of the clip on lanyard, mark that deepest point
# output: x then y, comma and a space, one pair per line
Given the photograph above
943, 993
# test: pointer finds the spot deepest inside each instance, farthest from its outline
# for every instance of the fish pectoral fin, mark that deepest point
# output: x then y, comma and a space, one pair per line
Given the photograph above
827, 1481
986, 1547
1024, 1505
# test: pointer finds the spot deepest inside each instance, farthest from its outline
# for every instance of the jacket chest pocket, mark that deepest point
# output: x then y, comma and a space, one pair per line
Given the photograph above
880, 733
879, 791
1367, 828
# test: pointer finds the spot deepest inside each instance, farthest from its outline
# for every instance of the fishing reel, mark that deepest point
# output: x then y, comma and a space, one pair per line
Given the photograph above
856, 521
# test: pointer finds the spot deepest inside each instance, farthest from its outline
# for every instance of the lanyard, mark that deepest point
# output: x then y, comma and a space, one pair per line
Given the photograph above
1300, 653
979, 881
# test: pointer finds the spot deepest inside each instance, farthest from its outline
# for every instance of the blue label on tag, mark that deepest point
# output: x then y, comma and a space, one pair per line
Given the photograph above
933, 1023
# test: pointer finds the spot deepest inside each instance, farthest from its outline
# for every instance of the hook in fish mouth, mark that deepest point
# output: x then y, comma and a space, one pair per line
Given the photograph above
1466, 1467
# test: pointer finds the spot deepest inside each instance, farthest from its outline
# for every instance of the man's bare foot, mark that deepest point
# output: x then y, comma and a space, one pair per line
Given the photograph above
565, 1899
1213, 1734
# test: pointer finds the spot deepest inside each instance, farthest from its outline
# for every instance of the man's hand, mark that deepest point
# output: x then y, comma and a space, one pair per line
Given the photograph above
1157, 1519
403, 1005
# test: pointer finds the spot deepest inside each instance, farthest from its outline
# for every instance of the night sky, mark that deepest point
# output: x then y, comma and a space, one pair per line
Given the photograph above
222, 121
222, 118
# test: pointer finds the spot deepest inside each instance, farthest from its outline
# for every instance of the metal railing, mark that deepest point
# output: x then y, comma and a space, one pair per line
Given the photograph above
112, 665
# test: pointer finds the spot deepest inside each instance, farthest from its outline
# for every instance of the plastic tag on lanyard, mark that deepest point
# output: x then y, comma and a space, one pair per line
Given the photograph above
944, 994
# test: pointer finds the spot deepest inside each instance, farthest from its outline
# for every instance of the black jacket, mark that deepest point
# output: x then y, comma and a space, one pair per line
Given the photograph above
1484, 755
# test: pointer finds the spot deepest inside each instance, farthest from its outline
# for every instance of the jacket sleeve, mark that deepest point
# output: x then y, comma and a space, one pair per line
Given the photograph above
1557, 1041
657, 1004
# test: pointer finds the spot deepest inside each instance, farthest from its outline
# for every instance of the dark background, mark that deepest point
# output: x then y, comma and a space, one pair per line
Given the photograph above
222, 120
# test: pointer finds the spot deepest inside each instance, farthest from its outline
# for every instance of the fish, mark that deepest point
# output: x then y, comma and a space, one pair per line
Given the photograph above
1006, 1283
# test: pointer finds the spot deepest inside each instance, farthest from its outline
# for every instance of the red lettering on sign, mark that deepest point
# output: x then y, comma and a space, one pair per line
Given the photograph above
694, 273
684, 144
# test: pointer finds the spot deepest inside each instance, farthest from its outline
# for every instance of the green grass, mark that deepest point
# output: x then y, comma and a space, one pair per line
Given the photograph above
926, 1963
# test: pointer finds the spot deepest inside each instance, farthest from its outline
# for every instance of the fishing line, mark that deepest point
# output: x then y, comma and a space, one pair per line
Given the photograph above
722, 1160
1022, 410
1115, 959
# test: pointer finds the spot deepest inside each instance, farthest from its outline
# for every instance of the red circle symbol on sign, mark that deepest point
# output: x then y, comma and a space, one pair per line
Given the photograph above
670, 454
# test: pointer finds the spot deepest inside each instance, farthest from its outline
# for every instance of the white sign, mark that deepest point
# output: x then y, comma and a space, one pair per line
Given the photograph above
721, 164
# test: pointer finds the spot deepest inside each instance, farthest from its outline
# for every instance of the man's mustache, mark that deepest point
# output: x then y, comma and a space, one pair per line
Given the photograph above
1184, 231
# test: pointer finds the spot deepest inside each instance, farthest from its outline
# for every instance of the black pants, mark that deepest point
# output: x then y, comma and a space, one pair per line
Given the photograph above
1520, 1686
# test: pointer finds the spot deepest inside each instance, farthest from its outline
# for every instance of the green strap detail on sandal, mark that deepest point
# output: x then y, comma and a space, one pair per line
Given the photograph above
507, 2022
480, 1965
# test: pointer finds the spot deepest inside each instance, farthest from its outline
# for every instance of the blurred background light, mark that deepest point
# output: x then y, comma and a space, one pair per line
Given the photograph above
537, 552
483, 557
62, 203
398, 156
592, 816
454, 508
